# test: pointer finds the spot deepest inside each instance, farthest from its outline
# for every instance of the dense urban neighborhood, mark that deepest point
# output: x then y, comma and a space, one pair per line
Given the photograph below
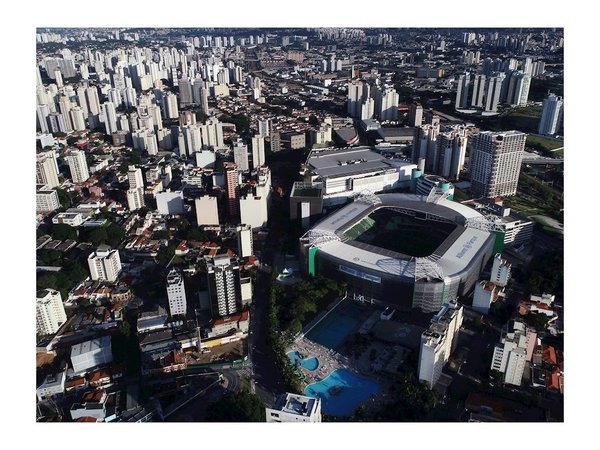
299, 225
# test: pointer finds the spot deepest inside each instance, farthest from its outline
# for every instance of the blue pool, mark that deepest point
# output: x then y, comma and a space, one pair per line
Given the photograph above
342, 392
308, 363
334, 329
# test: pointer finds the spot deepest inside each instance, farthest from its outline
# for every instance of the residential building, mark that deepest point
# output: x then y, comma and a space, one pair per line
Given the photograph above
438, 342
254, 210
462, 91
49, 311
232, 187
295, 408
415, 115
176, 293
496, 162
52, 386
515, 348
46, 170
170, 202
224, 286
500, 271
78, 166
484, 295
552, 112
46, 200
89, 354
104, 264
258, 151
240, 156
244, 238
387, 107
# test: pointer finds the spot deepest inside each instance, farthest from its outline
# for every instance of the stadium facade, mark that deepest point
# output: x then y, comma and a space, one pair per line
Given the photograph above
407, 250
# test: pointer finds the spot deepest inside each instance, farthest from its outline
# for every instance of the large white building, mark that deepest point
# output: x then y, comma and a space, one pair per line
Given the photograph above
500, 271
254, 211
46, 200
176, 293
207, 211
496, 162
89, 354
105, 264
514, 350
245, 243
346, 172
49, 311
438, 342
295, 408
240, 156
484, 294
388, 106
46, 169
551, 115
258, 151
78, 166
170, 202
224, 286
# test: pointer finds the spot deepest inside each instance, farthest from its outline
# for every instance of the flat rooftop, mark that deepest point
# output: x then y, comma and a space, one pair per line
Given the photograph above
332, 163
296, 404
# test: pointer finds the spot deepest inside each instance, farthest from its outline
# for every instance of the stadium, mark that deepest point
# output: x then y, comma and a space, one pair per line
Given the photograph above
406, 250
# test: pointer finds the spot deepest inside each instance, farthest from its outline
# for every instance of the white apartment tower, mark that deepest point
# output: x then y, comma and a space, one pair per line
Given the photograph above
104, 264
355, 91
240, 156
176, 293
135, 193
78, 166
551, 115
438, 342
46, 169
462, 91
224, 286
496, 162
514, 350
500, 271
49, 311
388, 107
258, 151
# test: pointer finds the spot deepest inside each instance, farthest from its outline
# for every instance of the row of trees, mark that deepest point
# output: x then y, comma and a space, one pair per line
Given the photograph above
306, 299
274, 336
111, 234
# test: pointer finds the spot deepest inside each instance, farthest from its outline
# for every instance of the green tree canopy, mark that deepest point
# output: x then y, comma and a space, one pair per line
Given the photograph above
63, 231
239, 407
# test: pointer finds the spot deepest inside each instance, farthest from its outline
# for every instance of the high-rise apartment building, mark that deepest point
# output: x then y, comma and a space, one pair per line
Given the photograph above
49, 311
552, 112
104, 264
78, 166
462, 91
388, 105
355, 97
500, 274
135, 193
245, 242
240, 156
495, 162
258, 151
110, 117
176, 293
224, 286
46, 200
232, 188
415, 115
514, 350
46, 169
438, 342
295, 408
170, 106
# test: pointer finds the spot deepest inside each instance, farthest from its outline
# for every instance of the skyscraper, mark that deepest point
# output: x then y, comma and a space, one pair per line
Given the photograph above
258, 151
233, 189
415, 115
496, 162
478, 91
78, 166
224, 286
551, 115
110, 117
170, 106
355, 92
240, 156
176, 293
462, 91
388, 107
185, 92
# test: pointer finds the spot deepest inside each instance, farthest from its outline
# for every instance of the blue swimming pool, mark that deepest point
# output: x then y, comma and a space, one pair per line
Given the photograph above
342, 392
335, 328
307, 363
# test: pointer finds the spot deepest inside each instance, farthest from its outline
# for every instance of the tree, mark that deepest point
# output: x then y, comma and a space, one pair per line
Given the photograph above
196, 234
115, 234
161, 234
239, 407
63, 231
98, 236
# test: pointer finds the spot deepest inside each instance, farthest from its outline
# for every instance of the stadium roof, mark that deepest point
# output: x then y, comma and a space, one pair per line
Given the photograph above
348, 161
452, 256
